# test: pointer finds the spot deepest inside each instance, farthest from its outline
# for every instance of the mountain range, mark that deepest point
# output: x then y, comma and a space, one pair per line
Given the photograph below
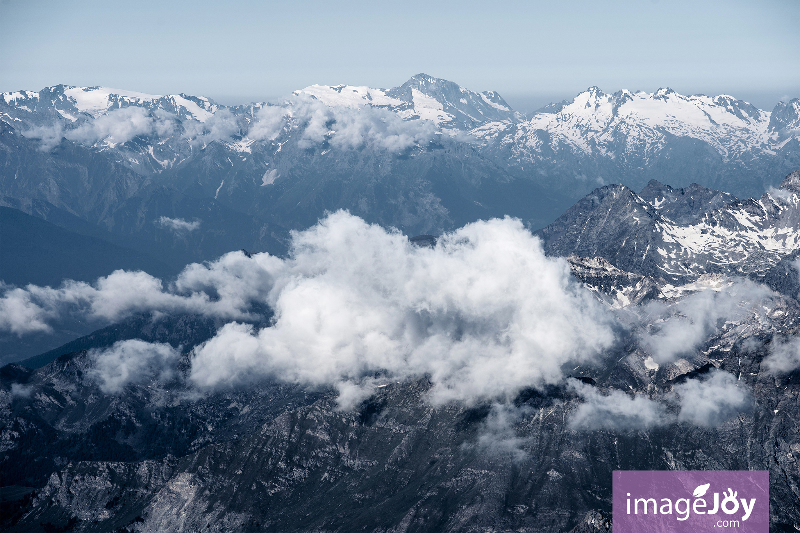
411, 309
425, 157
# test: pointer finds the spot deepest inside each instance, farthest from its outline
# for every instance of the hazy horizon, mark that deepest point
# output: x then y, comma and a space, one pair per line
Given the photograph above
532, 53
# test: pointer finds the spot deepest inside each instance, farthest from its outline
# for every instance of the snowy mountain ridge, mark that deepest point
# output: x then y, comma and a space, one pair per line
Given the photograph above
628, 123
447, 154
740, 238
592, 122
70, 102
421, 97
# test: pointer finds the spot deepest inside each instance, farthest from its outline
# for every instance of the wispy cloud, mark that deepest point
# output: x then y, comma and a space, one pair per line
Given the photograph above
704, 401
675, 329
314, 122
221, 126
784, 355
133, 361
226, 288
341, 127
713, 400
178, 225
50, 135
614, 410
114, 127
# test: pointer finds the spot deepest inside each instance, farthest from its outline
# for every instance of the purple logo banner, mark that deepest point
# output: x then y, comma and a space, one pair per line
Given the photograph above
693, 501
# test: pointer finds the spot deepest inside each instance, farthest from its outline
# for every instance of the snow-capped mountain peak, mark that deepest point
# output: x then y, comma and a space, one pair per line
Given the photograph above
98, 100
617, 126
664, 108
350, 96
421, 97
680, 234
452, 103
785, 118
73, 102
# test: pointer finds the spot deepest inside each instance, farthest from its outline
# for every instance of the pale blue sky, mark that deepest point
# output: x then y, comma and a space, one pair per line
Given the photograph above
532, 52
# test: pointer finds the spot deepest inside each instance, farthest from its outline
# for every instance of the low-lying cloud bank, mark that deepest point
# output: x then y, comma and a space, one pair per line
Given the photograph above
352, 128
115, 127
345, 128
704, 401
484, 313
227, 288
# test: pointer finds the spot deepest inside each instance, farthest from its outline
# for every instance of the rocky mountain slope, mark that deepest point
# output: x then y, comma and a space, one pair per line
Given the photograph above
680, 235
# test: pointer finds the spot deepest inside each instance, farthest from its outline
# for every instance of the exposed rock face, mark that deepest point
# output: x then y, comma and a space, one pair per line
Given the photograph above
791, 183
622, 288
399, 464
746, 237
684, 205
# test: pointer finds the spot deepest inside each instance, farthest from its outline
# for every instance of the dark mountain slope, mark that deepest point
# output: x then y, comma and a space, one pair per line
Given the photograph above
184, 330
35, 251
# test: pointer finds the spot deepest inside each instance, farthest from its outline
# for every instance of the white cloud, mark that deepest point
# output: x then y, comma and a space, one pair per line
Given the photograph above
779, 193
615, 410
165, 123
784, 355
226, 288
705, 401
115, 127
178, 225
354, 128
18, 390
269, 177
484, 313
133, 361
678, 328
20, 315
50, 136
121, 125
497, 435
220, 126
343, 127
713, 400
269, 123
